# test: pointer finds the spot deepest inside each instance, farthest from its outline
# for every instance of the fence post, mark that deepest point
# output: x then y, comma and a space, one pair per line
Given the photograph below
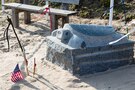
111, 12
27, 17
3, 8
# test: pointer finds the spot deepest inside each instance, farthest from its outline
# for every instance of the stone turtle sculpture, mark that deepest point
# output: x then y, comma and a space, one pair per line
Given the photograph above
84, 48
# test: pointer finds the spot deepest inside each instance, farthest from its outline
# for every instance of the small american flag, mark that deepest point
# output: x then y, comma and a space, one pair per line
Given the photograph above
16, 74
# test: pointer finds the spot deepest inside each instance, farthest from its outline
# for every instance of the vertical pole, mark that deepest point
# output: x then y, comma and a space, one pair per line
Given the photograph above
111, 12
47, 4
3, 8
65, 6
27, 15
54, 22
15, 17
47, 14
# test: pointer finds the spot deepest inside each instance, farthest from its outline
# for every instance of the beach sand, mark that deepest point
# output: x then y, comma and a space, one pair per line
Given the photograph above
49, 76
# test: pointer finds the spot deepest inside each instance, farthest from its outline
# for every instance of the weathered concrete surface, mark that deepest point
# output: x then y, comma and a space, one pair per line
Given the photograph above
96, 56
92, 60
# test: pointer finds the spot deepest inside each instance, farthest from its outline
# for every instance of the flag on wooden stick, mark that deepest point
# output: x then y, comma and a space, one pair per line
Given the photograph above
16, 74
21, 47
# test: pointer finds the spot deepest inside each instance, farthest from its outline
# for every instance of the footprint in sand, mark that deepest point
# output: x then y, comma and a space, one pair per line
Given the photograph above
1, 46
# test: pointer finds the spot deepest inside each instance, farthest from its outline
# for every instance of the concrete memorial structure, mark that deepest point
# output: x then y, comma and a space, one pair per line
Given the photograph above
83, 49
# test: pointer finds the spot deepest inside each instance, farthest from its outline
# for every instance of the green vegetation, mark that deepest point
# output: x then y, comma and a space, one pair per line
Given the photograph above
0, 5
95, 8
6, 1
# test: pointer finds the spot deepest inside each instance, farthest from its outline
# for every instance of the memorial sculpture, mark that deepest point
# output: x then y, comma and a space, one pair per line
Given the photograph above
83, 48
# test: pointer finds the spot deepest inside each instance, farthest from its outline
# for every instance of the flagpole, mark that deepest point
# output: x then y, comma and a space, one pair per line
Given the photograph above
3, 8
111, 12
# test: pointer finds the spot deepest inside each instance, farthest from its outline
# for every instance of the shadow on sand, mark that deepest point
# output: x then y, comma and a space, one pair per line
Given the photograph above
40, 78
44, 81
42, 31
24, 82
118, 79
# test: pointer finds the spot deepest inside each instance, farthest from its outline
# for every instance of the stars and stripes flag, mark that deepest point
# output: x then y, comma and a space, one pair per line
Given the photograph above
16, 74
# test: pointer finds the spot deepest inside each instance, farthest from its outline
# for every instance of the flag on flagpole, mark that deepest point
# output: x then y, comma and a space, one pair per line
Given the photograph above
16, 74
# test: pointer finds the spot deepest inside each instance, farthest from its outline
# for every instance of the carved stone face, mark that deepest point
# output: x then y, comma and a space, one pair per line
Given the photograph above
62, 34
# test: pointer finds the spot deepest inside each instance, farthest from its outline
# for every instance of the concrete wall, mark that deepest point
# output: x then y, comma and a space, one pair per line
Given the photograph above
94, 59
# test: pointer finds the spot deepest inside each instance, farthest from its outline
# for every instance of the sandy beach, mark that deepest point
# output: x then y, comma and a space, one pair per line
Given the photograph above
49, 76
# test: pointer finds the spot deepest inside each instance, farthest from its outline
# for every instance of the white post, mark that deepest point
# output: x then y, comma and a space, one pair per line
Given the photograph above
47, 2
3, 8
47, 15
111, 12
